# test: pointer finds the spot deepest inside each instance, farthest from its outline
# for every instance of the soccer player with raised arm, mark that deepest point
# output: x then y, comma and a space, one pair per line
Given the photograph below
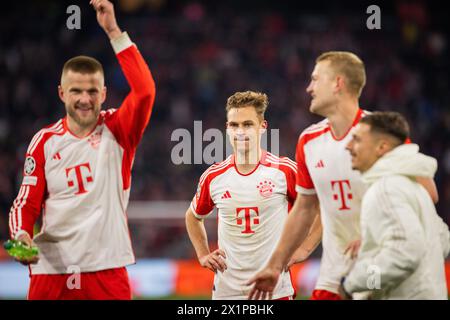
325, 177
78, 173
253, 191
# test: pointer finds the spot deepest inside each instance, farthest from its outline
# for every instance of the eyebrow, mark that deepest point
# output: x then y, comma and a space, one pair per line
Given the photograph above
243, 122
94, 89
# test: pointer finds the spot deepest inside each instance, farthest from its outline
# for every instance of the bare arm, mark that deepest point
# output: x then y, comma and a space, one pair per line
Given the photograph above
296, 229
310, 244
106, 17
295, 232
197, 233
430, 186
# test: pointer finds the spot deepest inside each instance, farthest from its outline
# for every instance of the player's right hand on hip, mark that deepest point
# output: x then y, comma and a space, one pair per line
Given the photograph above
26, 239
214, 261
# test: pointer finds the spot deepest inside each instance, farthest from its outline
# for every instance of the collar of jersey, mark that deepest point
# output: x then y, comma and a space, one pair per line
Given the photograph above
66, 128
262, 160
358, 117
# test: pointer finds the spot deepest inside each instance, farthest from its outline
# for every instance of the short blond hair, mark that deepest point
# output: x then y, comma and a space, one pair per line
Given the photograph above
258, 100
350, 66
82, 64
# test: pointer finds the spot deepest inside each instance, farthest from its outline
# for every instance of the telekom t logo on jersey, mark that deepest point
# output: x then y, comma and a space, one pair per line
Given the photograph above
80, 170
247, 217
342, 187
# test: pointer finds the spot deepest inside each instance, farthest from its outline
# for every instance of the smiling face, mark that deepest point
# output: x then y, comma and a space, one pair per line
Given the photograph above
244, 129
365, 148
322, 88
83, 95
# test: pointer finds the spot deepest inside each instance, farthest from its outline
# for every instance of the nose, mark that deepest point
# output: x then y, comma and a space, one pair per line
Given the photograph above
85, 98
240, 130
349, 145
309, 88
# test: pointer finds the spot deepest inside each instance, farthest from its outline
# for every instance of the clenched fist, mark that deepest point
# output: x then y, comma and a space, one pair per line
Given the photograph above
106, 18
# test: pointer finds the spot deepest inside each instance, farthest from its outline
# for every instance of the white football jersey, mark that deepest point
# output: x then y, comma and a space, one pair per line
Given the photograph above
82, 185
252, 209
324, 168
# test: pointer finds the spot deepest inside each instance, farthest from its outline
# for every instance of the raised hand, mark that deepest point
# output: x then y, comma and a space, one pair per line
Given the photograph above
106, 17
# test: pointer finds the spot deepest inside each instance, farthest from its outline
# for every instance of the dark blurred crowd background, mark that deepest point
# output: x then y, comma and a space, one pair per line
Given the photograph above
200, 53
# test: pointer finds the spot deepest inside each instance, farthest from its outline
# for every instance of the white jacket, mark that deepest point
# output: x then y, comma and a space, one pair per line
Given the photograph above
404, 241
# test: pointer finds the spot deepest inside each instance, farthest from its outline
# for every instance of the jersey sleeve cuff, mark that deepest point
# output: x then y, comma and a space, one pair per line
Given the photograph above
121, 43
305, 191
199, 216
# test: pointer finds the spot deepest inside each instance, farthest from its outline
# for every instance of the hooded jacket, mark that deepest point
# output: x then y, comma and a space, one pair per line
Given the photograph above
404, 241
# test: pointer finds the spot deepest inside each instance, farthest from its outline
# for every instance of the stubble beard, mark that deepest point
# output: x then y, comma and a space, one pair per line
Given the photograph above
83, 122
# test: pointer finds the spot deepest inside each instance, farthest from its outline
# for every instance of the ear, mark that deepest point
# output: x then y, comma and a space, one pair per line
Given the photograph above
264, 126
103, 95
340, 84
61, 93
383, 147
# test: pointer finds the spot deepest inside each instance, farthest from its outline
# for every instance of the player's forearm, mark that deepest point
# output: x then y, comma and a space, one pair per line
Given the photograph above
114, 33
197, 234
26, 208
135, 111
21, 222
312, 240
106, 17
295, 232
134, 67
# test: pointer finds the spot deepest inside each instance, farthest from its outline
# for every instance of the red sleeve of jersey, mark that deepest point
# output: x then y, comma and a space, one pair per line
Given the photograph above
290, 171
202, 204
304, 180
27, 206
292, 193
129, 121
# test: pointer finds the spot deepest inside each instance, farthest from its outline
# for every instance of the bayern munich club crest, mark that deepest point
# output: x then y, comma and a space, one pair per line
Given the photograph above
266, 188
95, 139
